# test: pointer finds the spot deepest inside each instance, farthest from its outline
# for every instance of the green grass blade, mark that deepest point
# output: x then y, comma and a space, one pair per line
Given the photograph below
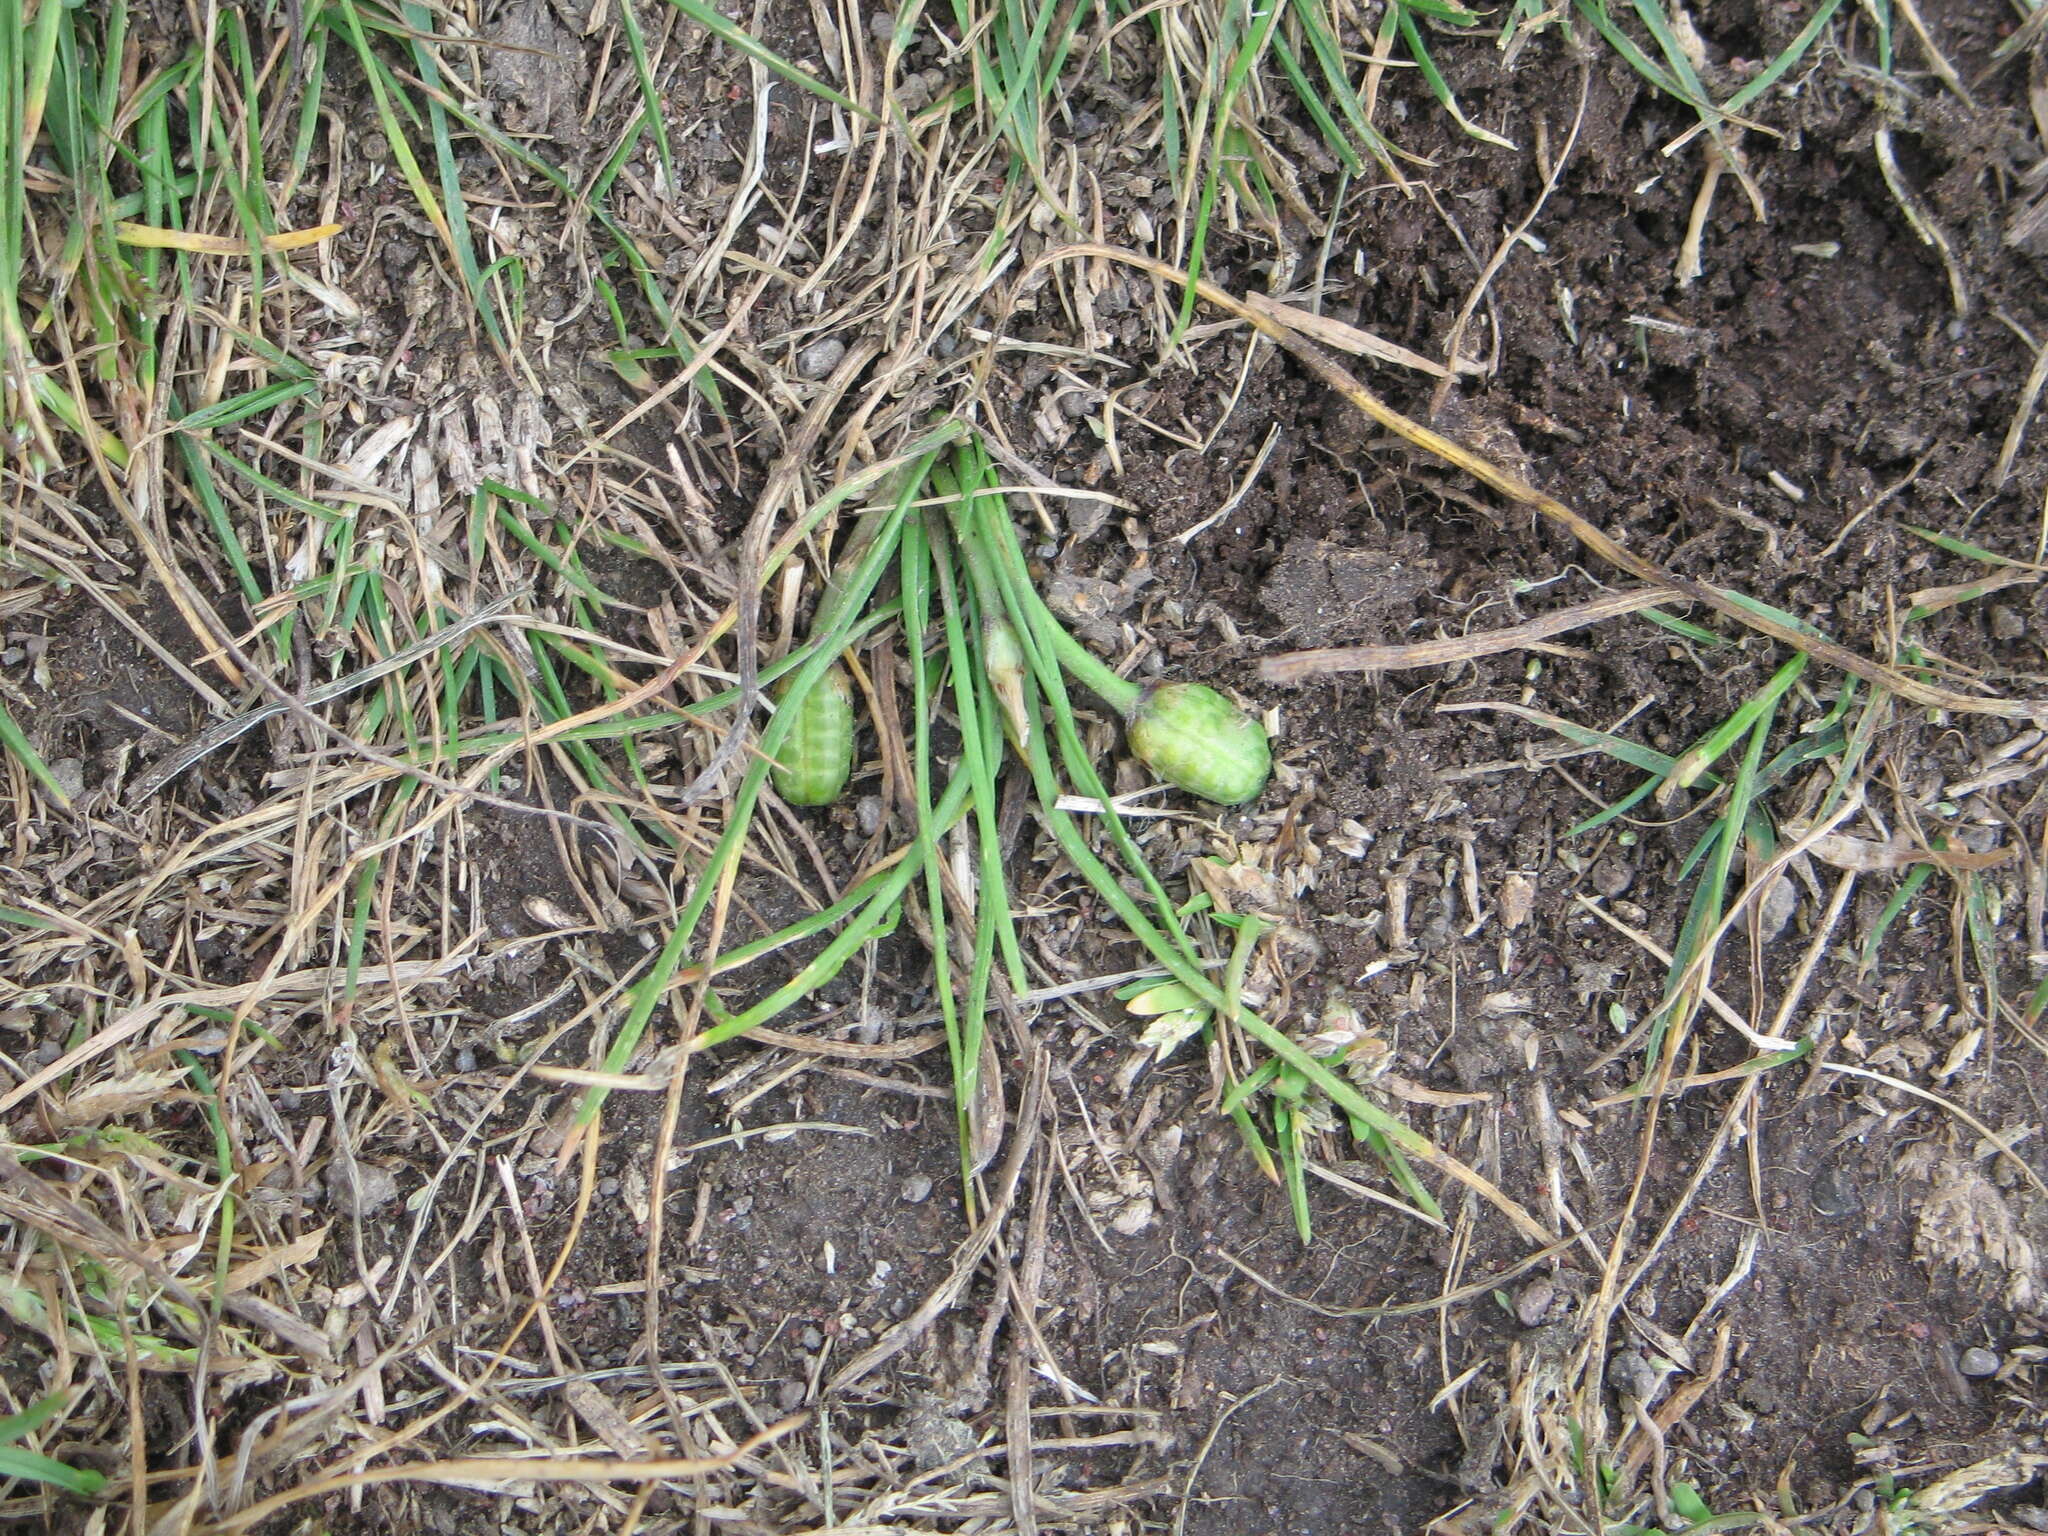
1312, 102
736, 36
1323, 42
1909, 887
991, 532
1683, 628
16, 744
915, 580
1709, 898
1595, 11
1795, 50
385, 95
1692, 766
827, 641
980, 752
1965, 548
226, 413
18, 1426
1287, 1136
1983, 931
32, 1467
1249, 50
1418, 50
876, 917
460, 242
651, 120
1676, 60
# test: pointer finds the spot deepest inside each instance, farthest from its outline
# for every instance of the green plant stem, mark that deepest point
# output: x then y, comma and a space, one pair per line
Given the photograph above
869, 924
991, 540
916, 567
1087, 669
1082, 664
1189, 974
825, 648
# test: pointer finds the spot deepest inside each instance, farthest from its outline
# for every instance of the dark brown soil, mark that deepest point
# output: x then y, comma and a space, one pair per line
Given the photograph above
1739, 430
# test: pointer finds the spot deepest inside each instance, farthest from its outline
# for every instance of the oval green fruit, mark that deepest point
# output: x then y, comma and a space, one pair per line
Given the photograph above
816, 758
1197, 740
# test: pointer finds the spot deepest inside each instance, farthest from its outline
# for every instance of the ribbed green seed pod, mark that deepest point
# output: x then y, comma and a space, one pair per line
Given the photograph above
816, 757
1197, 740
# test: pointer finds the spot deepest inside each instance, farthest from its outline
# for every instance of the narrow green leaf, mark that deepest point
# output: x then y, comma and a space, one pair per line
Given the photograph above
16, 742
31, 1466
738, 37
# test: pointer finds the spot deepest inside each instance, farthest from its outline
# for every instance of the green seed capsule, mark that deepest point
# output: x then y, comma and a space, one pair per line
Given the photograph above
1197, 740
816, 757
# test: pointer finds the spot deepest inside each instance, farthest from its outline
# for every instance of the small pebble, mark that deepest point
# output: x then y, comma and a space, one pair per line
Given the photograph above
69, 772
1631, 1375
1979, 1361
1833, 1195
817, 360
813, 1340
916, 1189
1779, 903
465, 1059
371, 1189
881, 25
1517, 899
607, 1186
1978, 838
1299, 950
1612, 876
1532, 1303
1134, 1218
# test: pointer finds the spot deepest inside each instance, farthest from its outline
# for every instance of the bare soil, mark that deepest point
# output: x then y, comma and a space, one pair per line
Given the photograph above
1772, 427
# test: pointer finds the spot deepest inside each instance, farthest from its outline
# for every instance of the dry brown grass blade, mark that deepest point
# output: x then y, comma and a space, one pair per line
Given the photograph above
1992, 1138
317, 982
470, 1470
1344, 337
664, 1143
465, 1393
1922, 222
1187, 1491
1301, 666
1682, 1401
852, 1050
1509, 242
1268, 322
34, 1203
216, 736
1471, 1291
1024, 1280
